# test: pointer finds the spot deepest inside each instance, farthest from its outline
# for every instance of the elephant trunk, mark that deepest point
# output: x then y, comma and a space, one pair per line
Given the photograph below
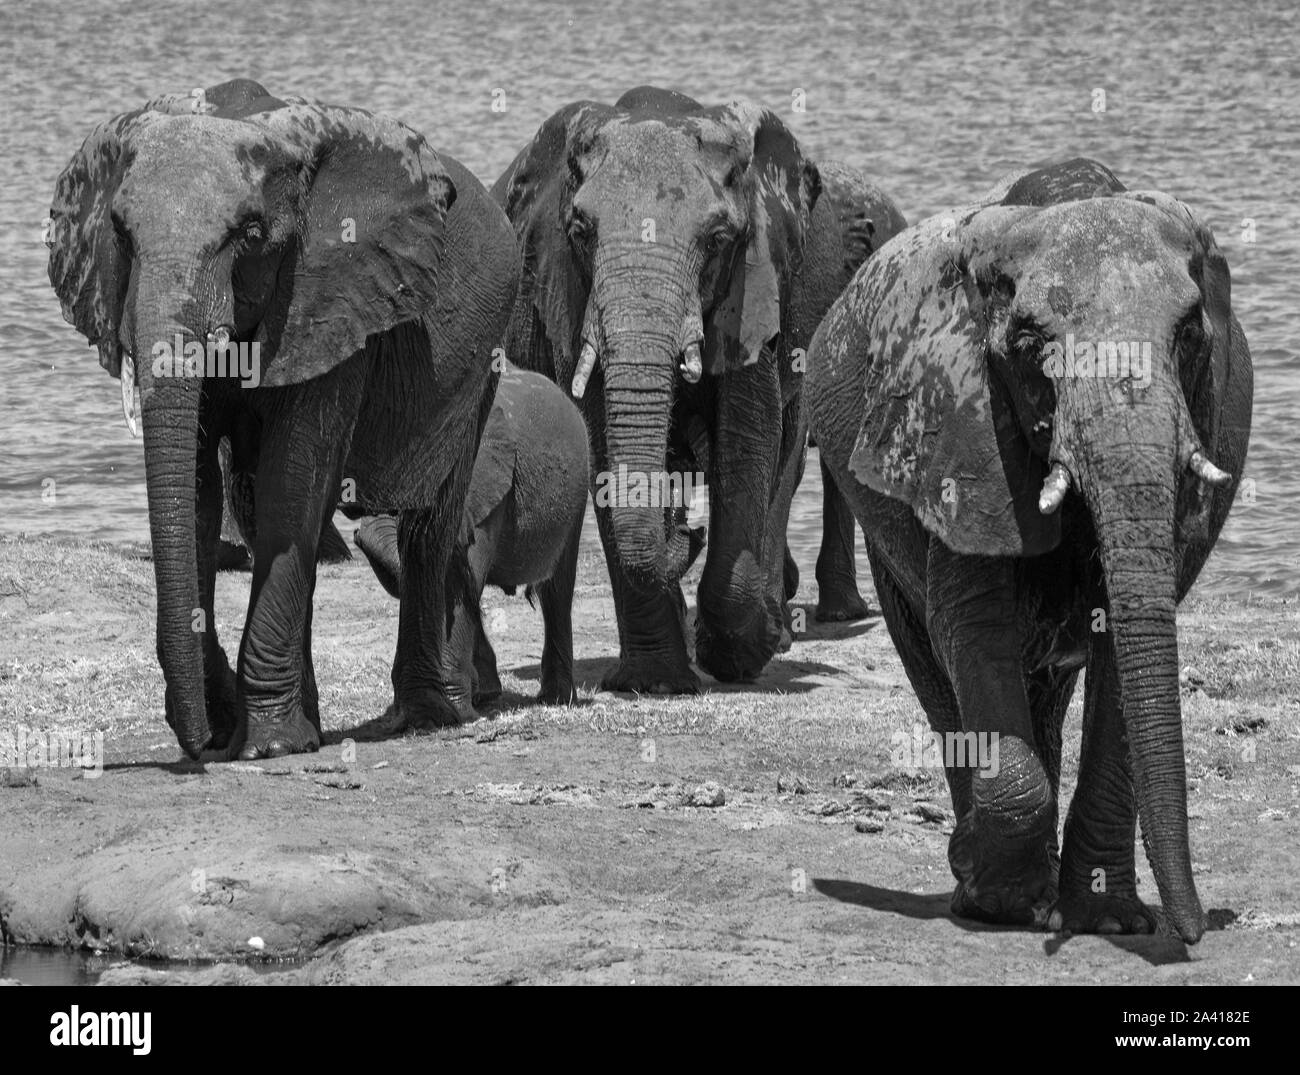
170, 404
1130, 489
641, 312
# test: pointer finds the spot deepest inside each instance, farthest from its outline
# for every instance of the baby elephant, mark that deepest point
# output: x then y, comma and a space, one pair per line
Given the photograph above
522, 521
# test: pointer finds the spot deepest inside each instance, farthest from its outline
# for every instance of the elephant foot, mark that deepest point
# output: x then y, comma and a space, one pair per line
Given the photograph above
293, 734
1085, 911
561, 692
1016, 889
1003, 851
425, 710
840, 604
740, 658
646, 675
487, 689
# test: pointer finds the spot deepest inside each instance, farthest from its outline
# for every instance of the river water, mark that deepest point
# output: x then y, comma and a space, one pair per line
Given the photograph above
935, 100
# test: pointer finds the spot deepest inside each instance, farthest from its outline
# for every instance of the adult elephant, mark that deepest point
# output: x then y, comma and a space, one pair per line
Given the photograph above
1027, 403
867, 219
677, 260
361, 281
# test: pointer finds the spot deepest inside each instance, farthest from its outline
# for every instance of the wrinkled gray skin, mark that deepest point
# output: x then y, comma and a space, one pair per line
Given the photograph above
374, 276
939, 418
522, 523
681, 347
239, 522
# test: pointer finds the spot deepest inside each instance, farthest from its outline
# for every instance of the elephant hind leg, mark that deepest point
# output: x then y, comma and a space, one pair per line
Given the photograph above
555, 594
838, 598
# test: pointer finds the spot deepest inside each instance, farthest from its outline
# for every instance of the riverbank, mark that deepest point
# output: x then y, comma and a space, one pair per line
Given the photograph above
756, 833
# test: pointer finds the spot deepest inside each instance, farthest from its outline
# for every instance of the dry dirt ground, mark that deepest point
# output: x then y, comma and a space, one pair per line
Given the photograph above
561, 844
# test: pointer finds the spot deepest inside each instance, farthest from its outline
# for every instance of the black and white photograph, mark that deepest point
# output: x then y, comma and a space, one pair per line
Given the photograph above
701, 492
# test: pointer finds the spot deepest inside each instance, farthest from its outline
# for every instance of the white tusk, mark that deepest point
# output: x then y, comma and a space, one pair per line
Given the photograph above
1207, 471
1055, 486
130, 395
586, 363
693, 368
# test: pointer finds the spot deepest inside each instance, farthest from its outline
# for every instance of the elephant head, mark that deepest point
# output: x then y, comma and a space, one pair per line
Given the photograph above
234, 217
1070, 336
660, 237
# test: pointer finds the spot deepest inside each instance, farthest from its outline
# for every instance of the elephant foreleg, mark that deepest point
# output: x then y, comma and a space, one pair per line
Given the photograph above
651, 624
652, 657
303, 447
1001, 851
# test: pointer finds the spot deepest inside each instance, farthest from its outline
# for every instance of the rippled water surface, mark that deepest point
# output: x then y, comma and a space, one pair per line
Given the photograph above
935, 100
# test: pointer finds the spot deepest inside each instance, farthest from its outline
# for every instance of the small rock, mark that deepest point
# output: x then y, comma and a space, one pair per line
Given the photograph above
340, 782
1252, 724
707, 794
1272, 815
256, 942
831, 807
846, 780
867, 800
936, 814
18, 778
380, 765
1190, 679
869, 824
796, 785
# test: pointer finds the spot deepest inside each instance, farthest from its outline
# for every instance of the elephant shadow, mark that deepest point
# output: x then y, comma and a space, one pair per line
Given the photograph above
786, 675
1156, 950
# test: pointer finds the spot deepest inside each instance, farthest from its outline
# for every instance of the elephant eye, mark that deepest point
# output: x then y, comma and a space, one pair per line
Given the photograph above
718, 238
1026, 337
579, 229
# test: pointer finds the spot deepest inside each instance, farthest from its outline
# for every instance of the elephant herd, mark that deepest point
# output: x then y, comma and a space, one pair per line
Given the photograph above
1036, 407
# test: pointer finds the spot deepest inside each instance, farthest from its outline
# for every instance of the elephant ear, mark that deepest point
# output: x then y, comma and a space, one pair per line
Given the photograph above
782, 187
536, 192
939, 430
90, 264
224, 99
1205, 385
494, 465
1072, 180
372, 204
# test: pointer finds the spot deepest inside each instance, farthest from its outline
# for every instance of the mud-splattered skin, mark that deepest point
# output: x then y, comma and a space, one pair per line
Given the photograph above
1027, 517
677, 258
371, 277
521, 527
